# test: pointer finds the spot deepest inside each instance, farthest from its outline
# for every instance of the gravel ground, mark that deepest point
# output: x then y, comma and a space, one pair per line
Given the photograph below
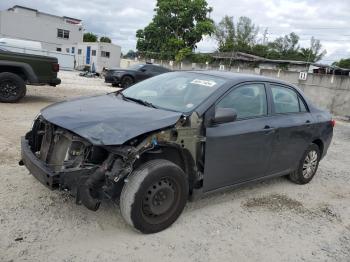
270, 221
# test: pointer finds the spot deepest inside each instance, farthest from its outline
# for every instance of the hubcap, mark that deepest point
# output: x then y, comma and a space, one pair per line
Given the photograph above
310, 164
159, 198
8, 88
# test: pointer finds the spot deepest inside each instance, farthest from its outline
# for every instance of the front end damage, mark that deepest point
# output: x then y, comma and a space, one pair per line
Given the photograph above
62, 160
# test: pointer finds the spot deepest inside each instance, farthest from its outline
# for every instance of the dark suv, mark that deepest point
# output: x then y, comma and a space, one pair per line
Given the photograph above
127, 77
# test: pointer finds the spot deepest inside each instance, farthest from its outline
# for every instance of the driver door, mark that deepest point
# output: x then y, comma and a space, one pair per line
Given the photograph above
239, 151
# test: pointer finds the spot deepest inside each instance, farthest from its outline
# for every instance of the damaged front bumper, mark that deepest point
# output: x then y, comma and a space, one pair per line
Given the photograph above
64, 180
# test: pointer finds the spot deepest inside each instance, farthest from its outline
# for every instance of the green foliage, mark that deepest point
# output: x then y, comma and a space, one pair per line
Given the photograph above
89, 37
175, 30
242, 37
343, 63
105, 39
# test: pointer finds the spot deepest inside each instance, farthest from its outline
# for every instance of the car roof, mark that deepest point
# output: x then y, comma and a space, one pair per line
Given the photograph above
239, 77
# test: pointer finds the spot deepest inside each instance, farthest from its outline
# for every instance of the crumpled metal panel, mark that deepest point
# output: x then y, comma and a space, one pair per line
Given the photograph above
108, 119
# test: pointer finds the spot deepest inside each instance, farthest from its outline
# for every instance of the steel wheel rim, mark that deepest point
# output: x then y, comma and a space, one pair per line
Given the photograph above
8, 88
310, 164
160, 200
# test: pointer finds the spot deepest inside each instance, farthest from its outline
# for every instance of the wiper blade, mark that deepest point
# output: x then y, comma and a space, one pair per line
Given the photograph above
139, 101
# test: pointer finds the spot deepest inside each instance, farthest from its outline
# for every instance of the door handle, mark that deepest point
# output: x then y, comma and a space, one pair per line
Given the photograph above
269, 129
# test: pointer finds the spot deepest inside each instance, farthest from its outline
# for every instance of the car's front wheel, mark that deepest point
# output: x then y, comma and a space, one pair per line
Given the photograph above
307, 166
154, 196
126, 82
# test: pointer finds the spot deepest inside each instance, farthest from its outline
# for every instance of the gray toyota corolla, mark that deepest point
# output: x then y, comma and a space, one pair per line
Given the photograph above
175, 137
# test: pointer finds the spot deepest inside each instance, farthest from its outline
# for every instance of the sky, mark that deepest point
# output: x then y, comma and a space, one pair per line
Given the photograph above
327, 20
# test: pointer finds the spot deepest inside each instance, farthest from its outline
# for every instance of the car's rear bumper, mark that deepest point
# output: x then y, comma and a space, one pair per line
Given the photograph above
67, 179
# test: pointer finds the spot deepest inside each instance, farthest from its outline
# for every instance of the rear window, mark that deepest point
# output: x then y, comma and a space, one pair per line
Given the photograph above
286, 100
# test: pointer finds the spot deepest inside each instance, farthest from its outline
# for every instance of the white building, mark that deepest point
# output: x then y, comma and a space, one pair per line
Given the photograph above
98, 53
29, 24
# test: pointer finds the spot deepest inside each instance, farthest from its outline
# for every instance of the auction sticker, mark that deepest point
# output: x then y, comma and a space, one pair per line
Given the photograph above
209, 83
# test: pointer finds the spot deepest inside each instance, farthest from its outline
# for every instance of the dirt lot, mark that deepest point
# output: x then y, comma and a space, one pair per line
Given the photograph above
270, 221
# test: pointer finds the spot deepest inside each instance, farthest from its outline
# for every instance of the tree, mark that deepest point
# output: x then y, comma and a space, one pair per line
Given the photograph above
313, 53
176, 27
225, 34
89, 37
243, 37
105, 39
246, 32
343, 63
285, 47
239, 37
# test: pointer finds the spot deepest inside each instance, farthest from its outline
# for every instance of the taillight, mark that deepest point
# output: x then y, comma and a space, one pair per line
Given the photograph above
333, 122
55, 67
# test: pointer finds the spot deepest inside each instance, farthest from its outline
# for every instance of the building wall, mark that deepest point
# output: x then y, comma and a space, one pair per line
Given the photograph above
37, 26
100, 62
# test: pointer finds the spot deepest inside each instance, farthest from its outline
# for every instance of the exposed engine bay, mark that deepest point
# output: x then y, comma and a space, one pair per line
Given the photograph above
93, 172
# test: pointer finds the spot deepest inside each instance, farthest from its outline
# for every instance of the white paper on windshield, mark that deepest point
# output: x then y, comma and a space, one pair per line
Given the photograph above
209, 83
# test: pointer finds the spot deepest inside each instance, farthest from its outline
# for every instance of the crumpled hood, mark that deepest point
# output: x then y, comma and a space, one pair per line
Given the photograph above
108, 119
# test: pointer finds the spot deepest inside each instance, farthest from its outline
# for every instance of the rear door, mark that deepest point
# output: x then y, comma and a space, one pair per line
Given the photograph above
293, 123
239, 151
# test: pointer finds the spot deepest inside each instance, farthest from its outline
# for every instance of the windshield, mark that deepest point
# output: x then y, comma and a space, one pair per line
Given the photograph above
178, 91
135, 67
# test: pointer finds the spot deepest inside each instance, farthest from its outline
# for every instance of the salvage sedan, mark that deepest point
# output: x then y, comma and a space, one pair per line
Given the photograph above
176, 137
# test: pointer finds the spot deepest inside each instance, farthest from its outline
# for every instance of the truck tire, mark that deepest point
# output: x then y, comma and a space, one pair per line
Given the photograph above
307, 166
154, 196
12, 87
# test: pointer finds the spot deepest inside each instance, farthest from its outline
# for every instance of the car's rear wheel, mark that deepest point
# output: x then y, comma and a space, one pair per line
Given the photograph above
154, 196
12, 87
307, 166
126, 81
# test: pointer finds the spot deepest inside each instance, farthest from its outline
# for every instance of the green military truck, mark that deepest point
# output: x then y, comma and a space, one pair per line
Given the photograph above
19, 69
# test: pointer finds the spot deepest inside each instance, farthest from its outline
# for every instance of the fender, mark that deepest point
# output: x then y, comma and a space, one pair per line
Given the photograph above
27, 69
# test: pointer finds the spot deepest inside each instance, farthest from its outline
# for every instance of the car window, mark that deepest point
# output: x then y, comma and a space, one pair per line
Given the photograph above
285, 100
179, 91
159, 69
136, 67
248, 101
148, 68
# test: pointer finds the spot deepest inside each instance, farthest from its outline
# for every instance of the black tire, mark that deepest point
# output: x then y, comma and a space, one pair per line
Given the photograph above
12, 87
301, 175
154, 196
126, 81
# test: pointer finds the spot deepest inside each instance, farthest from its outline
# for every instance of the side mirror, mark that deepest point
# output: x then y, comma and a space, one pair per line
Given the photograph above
224, 115
143, 70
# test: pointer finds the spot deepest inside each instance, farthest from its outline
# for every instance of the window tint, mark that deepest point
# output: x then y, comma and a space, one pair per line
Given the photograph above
159, 69
285, 100
247, 101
